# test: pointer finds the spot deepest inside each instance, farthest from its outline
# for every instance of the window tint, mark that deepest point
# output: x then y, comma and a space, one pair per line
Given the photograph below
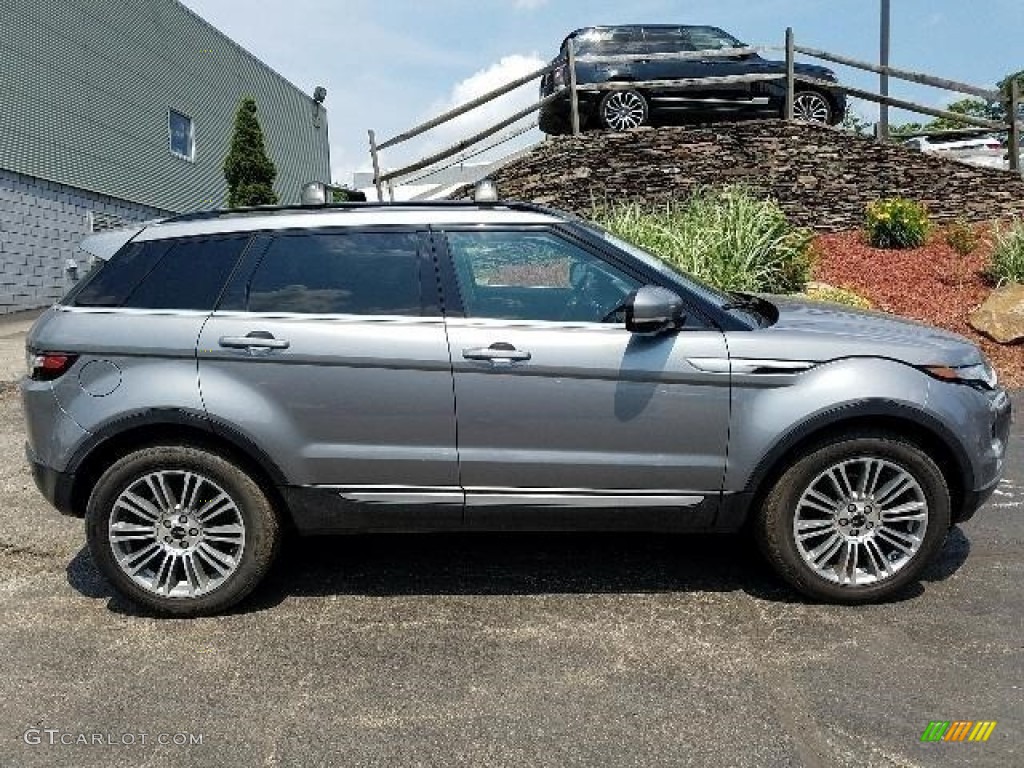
114, 280
524, 275
162, 274
190, 275
710, 39
666, 40
359, 273
611, 41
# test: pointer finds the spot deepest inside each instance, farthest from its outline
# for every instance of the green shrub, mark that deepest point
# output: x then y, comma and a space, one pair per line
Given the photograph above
726, 237
1007, 262
961, 237
896, 222
836, 295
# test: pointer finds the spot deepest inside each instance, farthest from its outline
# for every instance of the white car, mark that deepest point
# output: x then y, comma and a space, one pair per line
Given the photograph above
957, 145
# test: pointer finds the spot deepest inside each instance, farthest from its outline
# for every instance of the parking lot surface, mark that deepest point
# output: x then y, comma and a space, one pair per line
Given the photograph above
507, 650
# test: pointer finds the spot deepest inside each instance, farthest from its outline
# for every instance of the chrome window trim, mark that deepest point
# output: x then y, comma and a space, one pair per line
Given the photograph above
328, 317
483, 496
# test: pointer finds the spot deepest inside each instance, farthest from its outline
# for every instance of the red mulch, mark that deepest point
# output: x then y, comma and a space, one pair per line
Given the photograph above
932, 283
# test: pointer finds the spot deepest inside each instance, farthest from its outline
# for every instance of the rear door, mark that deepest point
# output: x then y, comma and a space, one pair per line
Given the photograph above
719, 96
328, 351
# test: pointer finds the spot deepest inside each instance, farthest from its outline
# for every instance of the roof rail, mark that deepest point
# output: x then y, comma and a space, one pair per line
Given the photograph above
275, 210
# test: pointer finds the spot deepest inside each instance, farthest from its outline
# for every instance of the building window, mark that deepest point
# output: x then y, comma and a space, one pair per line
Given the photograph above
182, 135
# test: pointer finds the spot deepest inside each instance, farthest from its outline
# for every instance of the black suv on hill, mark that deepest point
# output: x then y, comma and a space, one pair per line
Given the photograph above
631, 108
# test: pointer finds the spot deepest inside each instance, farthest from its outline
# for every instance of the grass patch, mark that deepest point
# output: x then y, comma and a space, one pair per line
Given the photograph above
726, 237
1007, 262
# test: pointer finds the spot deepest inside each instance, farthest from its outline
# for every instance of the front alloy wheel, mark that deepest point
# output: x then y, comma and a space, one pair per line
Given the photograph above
860, 521
622, 110
855, 518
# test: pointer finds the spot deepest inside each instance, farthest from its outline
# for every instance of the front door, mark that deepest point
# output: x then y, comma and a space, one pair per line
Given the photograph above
328, 351
565, 419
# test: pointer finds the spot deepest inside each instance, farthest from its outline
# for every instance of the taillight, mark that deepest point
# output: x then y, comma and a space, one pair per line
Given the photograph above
47, 366
561, 76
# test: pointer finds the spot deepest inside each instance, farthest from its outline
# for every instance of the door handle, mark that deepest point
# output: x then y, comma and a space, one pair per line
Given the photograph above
254, 340
499, 352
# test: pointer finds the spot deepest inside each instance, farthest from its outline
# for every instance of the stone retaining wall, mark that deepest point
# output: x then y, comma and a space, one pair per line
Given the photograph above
822, 177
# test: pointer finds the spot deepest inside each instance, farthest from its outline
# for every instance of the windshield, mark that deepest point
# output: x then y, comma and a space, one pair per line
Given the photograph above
706, 292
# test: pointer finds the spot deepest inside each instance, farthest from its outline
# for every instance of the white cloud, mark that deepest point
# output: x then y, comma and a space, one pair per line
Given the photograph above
505, 70
528, 5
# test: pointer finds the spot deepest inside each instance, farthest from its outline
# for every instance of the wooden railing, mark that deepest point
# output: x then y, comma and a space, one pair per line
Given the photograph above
789, 75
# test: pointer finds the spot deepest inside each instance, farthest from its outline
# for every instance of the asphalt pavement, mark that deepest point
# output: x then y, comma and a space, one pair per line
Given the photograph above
507, 650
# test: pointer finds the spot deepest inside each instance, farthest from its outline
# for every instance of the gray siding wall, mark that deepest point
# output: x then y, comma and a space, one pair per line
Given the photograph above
85, 89
41, 224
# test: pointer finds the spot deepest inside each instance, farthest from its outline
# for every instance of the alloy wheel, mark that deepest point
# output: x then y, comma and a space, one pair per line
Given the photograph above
860, 521
623, 110
812, 107
176, 533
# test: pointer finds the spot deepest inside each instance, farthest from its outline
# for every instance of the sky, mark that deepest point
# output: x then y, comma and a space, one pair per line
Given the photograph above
390, 64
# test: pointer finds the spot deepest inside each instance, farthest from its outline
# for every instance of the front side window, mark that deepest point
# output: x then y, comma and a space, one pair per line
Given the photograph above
610, 41
355, 273
182, 135
710, 39
535, 275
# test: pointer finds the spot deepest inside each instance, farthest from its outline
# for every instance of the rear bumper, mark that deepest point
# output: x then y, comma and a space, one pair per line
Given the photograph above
54, 485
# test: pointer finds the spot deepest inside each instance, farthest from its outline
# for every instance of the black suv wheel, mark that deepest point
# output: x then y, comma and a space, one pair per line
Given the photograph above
622, 110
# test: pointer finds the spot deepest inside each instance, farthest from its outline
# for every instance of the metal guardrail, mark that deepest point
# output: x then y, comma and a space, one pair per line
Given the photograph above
1012, 99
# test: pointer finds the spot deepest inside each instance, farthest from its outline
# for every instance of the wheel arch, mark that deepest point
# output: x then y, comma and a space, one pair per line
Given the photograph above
165, 427
884, 417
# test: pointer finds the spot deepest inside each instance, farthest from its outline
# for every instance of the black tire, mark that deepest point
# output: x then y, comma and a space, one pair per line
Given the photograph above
775, 520
259, 522
813, 106
622, 110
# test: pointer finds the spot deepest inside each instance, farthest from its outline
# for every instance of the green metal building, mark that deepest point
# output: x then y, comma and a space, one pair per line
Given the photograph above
119, 110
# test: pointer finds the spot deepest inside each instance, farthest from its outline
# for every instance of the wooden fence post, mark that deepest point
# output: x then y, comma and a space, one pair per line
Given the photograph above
1013, 145
376, 167
574, 97
790, 74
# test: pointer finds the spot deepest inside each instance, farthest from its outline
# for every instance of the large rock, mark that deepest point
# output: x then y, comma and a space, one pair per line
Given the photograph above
1002, 314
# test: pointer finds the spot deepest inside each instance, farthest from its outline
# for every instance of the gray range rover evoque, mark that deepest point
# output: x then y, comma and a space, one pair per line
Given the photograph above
221, 377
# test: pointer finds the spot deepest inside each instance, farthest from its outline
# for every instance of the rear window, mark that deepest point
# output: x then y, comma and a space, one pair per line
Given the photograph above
357, 273
162, 274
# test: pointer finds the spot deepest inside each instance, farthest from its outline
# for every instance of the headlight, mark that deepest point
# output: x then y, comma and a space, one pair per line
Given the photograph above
980, 374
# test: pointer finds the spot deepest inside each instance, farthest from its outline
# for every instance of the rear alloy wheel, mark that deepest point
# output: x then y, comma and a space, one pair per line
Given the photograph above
856, 519
180, 530
622, 110
812, 107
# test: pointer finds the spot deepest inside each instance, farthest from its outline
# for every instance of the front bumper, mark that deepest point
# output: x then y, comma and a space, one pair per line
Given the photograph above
1000, 417
54, 485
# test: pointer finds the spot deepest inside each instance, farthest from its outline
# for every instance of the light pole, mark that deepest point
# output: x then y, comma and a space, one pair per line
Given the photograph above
883, 78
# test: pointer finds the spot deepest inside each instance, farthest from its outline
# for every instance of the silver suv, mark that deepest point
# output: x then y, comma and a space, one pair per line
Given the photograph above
220, 378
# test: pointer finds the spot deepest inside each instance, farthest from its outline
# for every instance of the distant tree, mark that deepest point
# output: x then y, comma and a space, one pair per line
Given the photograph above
854, 123
346, 195
999, 110
250, 173
969, 107
905, 128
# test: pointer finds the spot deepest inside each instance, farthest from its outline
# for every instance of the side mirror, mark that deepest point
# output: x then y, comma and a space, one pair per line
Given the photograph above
653, 309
